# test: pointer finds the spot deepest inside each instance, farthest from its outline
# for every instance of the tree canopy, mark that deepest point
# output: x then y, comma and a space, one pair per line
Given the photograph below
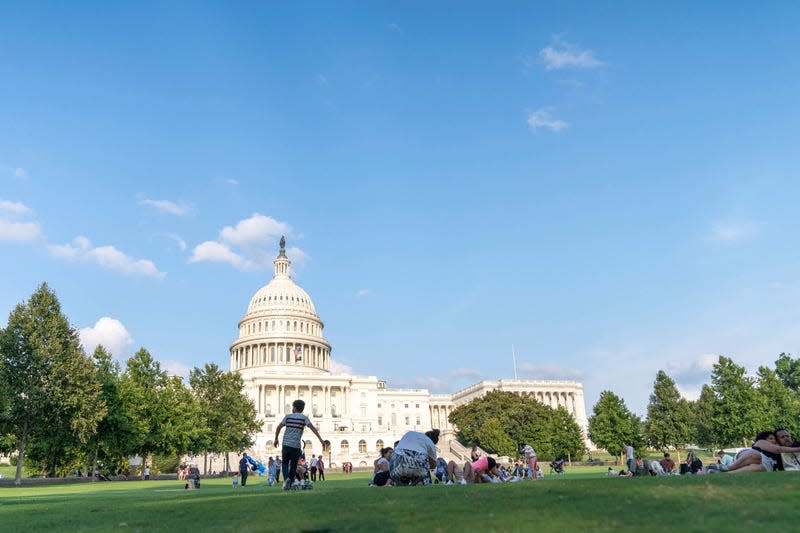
500, 421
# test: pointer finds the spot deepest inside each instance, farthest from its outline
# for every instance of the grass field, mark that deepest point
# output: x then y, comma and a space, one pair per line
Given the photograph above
582, 499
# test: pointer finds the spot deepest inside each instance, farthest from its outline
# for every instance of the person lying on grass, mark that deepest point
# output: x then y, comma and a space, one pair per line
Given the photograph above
763, 456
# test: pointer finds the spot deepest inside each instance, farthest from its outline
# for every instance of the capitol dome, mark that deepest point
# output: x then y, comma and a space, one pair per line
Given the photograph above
280, 327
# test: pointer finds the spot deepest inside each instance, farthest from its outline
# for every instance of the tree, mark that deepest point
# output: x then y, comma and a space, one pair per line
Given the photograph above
788, 371
781, 404
567, 435
702, 409
668, 415
500, 421
739, 410
613, 424
51, 392
225, 408
164, 417
111, 441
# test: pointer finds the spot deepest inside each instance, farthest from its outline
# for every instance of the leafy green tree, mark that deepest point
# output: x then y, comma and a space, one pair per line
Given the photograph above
51, 391
163, 415
782, 404
500, 421
739, 410
566, 435
788, 371
612, 424
110, 443
703, 432
668, 415
227, 412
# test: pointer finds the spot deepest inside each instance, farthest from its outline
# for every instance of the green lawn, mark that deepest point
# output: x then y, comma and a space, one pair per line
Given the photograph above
581, 499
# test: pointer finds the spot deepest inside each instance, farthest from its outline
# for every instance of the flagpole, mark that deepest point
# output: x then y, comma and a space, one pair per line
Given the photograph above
514, 357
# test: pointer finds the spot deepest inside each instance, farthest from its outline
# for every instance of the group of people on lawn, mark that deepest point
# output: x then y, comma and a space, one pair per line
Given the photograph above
767, 454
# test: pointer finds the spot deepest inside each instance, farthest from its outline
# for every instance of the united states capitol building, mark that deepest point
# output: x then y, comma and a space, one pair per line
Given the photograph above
282, 355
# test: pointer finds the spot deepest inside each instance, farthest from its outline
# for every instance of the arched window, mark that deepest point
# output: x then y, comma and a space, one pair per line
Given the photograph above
272, 354
379, 445
326, 446
268, 409
362, 446
345, 446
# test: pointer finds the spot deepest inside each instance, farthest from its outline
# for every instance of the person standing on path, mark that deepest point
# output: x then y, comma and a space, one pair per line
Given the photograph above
295, 422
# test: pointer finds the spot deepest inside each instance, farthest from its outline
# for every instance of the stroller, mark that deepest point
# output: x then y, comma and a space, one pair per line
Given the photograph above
557, 466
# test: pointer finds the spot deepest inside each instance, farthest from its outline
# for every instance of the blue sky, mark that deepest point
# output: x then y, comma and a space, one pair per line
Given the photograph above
610, 187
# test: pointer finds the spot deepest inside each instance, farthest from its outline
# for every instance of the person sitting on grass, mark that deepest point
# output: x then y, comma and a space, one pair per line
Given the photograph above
763, 456
413, 458
380, 476
692, 465
656, 469
668, 464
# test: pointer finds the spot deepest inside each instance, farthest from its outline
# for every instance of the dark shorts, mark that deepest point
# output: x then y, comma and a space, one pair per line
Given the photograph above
380, 479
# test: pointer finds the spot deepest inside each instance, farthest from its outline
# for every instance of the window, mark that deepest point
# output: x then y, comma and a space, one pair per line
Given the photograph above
345, 447
268, 410
417, 406
363, 410
378, 445
269, 428
406, 419
362, 446
418, 421
288, 408
405, 405
363, 395
326, 446
380, 420
379, 405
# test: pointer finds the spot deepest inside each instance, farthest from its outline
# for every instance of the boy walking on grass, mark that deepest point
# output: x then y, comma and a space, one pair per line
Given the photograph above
295, 423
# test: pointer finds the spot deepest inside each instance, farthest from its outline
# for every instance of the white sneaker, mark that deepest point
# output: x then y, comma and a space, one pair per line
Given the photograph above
449, 482
462, 482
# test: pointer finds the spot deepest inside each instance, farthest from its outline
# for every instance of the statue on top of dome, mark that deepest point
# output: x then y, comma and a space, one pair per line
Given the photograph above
283, 247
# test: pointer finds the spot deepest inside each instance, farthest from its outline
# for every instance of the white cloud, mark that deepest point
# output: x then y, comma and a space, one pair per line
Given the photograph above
175, 368
734, 232
690, 392
167, 206
433, 384
232, 182
180, 242
250, 245
541, 119
14, 208
107, 257
548, 371
220, 253
340, 368
19, 231
15, 172
361, 293
255, 230
109, 332
561, 54
467, 373
13, 230
693, 372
